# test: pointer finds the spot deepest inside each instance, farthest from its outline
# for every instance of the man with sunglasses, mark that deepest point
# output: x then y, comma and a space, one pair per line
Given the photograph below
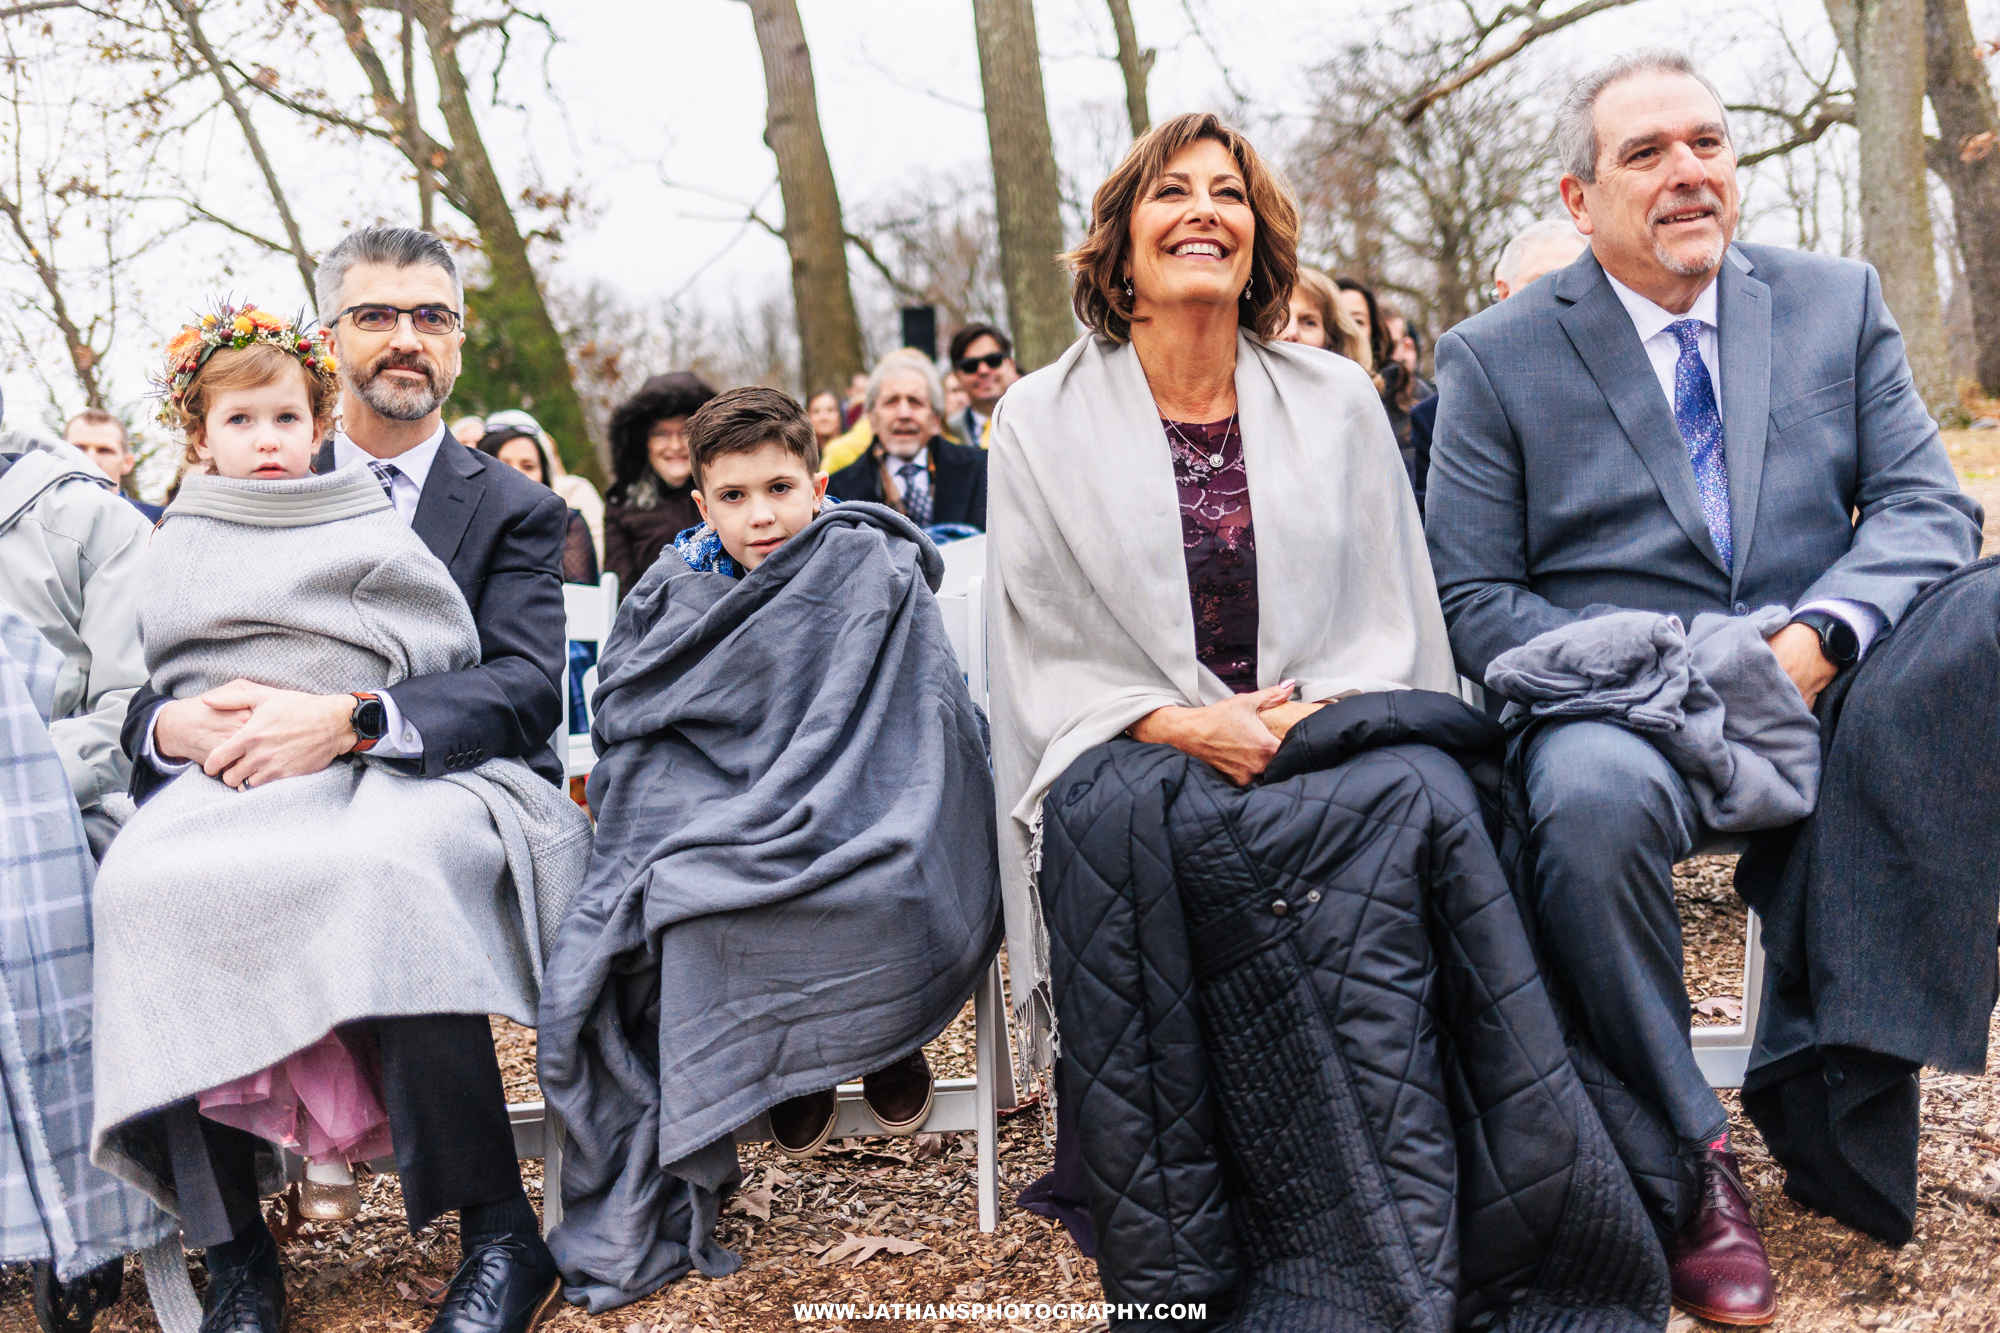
983, 356
395, 303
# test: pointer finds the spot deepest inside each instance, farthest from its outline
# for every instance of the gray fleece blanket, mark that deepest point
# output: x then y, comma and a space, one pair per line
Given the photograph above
235, 928
1712, 698
795, 879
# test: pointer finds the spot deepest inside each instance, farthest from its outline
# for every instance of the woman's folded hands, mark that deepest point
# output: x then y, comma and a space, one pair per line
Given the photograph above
1236, 737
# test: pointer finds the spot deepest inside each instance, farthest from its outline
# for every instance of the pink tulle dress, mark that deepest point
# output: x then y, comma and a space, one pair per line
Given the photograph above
324, 1102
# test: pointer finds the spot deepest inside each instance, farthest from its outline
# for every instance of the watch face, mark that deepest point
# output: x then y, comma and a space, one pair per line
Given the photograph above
371, 719
1841, 643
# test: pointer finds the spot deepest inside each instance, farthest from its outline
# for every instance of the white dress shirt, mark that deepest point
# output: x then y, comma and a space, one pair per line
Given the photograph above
1663, 349
402, 740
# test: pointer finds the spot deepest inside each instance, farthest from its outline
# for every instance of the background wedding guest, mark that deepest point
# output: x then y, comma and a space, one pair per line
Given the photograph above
577, 492
824, 410
1318, 319
651, 500
468, 430
983, 357
101, 437
911, 467
1538, 248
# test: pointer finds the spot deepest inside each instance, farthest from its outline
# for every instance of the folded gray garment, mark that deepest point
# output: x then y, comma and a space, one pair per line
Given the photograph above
1713, 699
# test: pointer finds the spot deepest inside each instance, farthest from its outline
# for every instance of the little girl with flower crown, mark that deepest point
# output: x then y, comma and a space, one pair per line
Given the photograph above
253, 397
247, 940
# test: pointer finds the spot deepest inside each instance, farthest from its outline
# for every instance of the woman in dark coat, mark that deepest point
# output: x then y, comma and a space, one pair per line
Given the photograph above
651, 499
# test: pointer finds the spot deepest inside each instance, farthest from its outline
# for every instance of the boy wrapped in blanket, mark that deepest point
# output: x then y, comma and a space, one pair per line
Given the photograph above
794, 879
247, 937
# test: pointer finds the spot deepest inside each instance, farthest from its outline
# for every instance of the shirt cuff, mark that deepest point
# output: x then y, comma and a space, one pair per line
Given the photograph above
1865, 620
400, 739
151, 751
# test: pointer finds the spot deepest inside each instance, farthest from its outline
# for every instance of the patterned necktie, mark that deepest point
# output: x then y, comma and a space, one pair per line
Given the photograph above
386, 473
916, 500
1701, 431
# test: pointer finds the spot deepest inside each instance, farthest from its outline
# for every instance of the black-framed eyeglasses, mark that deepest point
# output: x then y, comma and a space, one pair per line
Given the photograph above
431, 319
991, 361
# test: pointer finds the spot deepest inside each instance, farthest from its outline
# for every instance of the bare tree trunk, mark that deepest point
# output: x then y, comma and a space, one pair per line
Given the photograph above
1135, 64
190, 17
1967, 157
512, 306
1883, 40
1026, 197
815, 235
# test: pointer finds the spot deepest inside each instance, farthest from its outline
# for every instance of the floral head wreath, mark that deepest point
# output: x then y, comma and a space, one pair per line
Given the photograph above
235, 326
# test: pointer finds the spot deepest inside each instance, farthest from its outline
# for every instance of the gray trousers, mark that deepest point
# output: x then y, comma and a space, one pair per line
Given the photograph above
1608, 818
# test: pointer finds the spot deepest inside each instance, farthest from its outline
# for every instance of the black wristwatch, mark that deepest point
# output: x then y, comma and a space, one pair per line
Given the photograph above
370, 720
1838, 643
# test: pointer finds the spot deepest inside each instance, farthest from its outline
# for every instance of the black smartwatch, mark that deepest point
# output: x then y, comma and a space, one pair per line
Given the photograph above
1838, 643
370, 720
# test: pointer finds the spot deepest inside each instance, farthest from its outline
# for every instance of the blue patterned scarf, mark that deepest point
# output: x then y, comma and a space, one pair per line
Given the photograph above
701, 547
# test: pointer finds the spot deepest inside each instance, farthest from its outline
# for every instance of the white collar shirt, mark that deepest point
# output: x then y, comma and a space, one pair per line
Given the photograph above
1650, 321
413, 468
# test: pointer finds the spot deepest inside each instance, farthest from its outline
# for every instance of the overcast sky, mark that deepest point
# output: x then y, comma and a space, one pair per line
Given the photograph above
655, 111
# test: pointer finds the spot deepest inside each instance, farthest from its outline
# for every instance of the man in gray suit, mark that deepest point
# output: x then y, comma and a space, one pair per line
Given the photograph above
1675, 424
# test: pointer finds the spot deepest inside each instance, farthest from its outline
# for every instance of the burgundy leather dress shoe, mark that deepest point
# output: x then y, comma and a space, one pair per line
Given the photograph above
1717, 1262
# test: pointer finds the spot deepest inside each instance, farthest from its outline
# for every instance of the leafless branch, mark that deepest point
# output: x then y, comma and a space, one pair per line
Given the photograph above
1470, 65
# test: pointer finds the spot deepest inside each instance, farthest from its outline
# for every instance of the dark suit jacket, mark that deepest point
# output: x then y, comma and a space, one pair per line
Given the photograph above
1417, 453
1559, 481
958, 482
501, 536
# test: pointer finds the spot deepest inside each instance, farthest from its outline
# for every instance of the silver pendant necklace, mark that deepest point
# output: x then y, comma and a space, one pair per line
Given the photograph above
1213, 460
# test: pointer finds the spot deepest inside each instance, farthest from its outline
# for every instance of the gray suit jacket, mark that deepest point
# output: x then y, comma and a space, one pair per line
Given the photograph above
1559, 481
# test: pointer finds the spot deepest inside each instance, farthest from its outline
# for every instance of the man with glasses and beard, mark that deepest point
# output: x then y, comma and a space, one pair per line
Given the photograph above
395, 302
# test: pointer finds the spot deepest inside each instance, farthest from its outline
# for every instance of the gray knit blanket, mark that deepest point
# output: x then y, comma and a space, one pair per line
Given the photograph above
54, 1205
235, 928
794, 882
1712, 698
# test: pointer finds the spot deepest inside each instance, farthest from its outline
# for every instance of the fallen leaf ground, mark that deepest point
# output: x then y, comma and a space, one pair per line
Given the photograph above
372, 1276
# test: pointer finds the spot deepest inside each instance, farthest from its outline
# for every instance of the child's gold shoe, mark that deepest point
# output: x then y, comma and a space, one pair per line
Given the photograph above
328, 1193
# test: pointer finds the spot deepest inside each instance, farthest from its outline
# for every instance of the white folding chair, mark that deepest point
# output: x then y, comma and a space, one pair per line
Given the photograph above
962, 1105
590, 612
1724, 1052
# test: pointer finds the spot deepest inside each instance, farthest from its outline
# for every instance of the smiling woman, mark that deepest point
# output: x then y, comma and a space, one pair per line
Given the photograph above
1223, 705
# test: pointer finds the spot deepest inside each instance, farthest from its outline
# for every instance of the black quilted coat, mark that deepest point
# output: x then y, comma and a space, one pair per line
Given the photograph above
1319, 1082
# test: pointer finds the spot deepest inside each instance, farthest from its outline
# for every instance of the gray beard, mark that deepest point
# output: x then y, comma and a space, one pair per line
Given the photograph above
411, 404
1689, 268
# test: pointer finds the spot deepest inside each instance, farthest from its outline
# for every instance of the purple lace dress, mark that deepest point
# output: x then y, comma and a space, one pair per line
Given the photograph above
1220, 545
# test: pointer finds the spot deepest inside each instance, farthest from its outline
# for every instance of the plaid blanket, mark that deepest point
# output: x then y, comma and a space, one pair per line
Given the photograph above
54, 1205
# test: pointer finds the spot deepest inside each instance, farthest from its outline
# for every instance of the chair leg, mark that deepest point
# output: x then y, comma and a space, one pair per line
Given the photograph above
989, 1015
554, 1140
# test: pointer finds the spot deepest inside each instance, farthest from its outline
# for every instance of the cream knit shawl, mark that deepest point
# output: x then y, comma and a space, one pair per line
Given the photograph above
1089, 619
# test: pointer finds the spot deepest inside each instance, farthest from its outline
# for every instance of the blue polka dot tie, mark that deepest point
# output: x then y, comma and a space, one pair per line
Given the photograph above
1701, 431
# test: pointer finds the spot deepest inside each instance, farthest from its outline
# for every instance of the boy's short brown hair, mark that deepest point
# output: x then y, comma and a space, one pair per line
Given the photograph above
743, 421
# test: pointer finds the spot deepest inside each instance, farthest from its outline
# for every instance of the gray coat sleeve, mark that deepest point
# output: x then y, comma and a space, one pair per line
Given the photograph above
109, 564
1475, 518
1915, 524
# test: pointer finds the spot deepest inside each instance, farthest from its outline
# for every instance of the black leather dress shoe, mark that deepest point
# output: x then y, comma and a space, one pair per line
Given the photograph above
244, 1300
506, 1285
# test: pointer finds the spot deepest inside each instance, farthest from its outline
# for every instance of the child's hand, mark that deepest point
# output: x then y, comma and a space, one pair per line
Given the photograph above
288, 734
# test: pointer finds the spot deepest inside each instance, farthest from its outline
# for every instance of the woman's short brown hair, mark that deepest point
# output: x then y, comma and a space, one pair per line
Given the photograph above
248, 368
1098, 265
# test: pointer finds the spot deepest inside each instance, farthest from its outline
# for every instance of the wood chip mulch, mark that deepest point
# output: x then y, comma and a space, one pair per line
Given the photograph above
918, 1199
